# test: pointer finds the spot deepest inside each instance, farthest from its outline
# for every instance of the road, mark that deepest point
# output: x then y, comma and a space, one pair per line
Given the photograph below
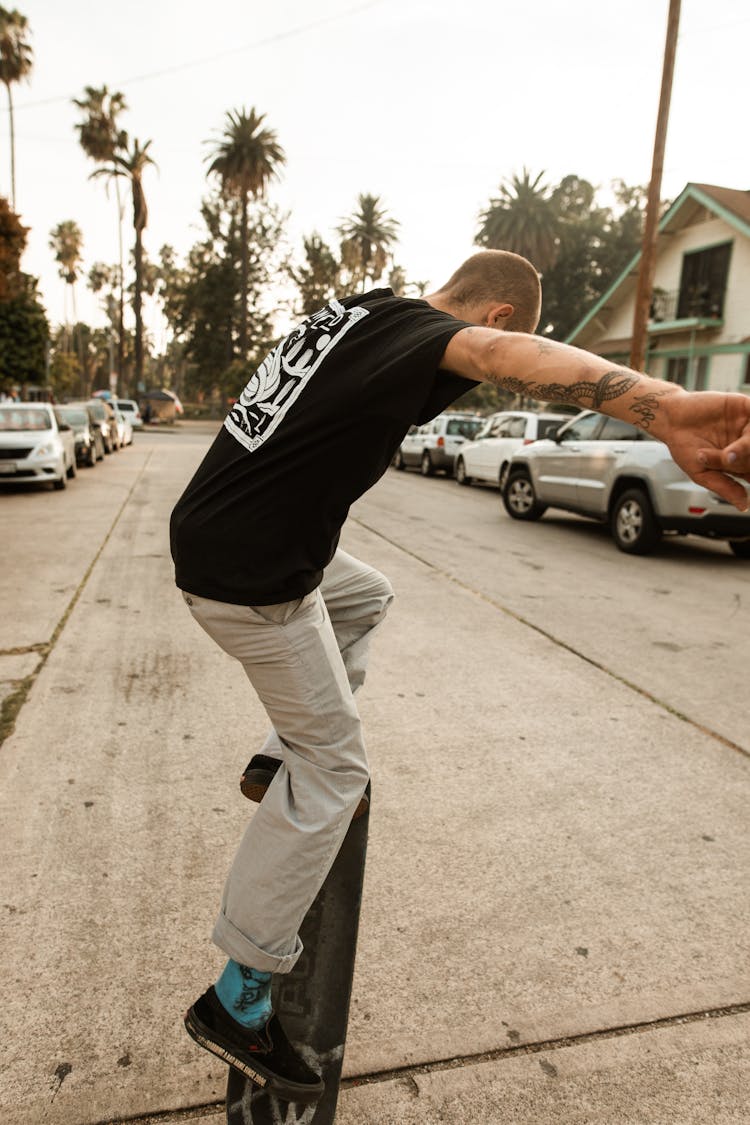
675, 625
557, 872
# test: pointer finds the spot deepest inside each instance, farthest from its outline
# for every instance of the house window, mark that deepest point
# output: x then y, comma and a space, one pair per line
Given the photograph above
691, 374
704, 282
677, 370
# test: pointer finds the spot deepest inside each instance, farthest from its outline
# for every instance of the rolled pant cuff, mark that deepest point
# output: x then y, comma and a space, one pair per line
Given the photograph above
241, 949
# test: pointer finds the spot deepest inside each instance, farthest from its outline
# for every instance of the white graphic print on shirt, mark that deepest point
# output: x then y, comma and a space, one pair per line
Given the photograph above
284, 373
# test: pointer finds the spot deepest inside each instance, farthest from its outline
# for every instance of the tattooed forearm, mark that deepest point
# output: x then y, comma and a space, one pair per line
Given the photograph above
584, 393
645, 406
590, 394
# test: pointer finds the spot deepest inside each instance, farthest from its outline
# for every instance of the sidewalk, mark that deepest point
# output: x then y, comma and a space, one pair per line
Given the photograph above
555, 864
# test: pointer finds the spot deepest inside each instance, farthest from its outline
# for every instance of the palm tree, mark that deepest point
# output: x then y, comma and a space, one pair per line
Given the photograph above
132, 165
66, 240
522, 219
16, 61
367, 237
246, 159
101, 139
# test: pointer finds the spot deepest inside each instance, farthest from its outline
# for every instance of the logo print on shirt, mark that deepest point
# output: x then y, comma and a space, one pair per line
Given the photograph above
285, 372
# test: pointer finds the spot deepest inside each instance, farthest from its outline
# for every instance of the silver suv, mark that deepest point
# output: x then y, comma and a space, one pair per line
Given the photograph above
611, 471
435, 445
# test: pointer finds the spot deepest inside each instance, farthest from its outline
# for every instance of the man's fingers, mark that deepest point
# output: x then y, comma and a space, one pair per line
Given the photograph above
725, 487
734, 459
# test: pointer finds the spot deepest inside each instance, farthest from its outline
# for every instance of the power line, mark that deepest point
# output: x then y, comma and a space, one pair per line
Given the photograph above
179, 67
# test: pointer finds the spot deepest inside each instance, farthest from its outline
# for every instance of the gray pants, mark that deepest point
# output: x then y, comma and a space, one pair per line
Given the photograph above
305, 659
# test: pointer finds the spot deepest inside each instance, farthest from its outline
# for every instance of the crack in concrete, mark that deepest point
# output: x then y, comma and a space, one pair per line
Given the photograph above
12, 704
174, 1116
745, 752
24, 650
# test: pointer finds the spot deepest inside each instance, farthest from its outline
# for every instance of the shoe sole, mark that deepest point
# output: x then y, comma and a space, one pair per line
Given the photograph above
259, 1075
254, 785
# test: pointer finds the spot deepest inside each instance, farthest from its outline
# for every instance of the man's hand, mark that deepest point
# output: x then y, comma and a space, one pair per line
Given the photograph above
708, 435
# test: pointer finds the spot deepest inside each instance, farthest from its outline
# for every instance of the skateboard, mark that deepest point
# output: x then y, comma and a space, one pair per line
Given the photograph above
312, 1001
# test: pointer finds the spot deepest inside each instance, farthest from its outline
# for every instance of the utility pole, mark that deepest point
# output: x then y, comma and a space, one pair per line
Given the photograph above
648, 251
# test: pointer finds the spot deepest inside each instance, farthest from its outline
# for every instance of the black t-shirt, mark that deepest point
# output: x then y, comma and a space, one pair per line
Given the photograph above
315, 427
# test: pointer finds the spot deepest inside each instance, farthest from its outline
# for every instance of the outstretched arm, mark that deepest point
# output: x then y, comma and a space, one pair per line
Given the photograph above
708, 434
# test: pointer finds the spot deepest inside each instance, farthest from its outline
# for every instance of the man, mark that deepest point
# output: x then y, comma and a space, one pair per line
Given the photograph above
254, 539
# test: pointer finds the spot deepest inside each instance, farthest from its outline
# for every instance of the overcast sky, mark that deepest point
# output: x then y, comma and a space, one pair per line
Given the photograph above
427, 103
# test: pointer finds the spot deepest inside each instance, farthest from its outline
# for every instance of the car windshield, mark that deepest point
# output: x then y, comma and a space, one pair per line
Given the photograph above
99, 412
15, 419
74, 417
126, 406
463, 427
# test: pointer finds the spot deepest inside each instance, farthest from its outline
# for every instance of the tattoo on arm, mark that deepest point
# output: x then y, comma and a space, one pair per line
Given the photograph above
645, 406
613, 384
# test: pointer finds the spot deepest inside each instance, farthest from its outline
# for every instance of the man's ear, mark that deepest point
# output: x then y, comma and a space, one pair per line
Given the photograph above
499, 315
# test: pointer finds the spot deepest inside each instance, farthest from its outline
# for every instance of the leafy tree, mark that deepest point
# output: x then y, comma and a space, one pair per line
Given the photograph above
16, 62
246, 159
132, 165
101, 138
596, 243
523, 218
318, 277
65, 375
13, 236
367, 237
202, 301
24, 332
24, 336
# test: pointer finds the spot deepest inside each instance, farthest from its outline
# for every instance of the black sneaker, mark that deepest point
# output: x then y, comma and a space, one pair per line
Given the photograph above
266, 1057
260, 772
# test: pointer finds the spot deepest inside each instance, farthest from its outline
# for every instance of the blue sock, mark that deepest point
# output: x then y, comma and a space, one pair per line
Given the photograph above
246, 994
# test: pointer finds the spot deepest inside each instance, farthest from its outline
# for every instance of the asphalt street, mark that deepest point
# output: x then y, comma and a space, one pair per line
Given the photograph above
555, 925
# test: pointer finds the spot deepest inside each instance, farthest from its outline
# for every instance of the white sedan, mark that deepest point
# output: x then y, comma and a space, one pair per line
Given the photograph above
488, 456
34, 445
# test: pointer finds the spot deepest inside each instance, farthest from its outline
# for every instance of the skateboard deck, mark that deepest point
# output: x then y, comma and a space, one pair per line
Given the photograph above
312, 1001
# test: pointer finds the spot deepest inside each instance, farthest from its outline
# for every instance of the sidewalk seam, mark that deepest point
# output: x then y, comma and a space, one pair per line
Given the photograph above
12, 704
456, 1062
560, 644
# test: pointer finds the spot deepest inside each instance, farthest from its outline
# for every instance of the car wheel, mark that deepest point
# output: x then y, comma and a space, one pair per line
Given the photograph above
60, 483
426, 466
71, 470
633, 524
398, 460
740, 548
461, 474
520, 499
92, 457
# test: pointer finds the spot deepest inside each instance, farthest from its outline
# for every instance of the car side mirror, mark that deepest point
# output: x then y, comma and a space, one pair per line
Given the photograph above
63, 427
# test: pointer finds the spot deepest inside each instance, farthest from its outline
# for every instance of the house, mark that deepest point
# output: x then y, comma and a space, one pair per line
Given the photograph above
699, 324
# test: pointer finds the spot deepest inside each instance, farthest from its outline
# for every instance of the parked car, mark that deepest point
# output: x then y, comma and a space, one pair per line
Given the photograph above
34, 445
487, 457
124, 428
87, 436
435, 445
129, 407
611, 471
105, 418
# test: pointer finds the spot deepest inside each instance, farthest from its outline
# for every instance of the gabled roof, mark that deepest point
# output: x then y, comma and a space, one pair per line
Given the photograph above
729, 204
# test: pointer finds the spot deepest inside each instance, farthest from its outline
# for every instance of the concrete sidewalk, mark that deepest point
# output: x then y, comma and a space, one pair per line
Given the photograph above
556, 912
